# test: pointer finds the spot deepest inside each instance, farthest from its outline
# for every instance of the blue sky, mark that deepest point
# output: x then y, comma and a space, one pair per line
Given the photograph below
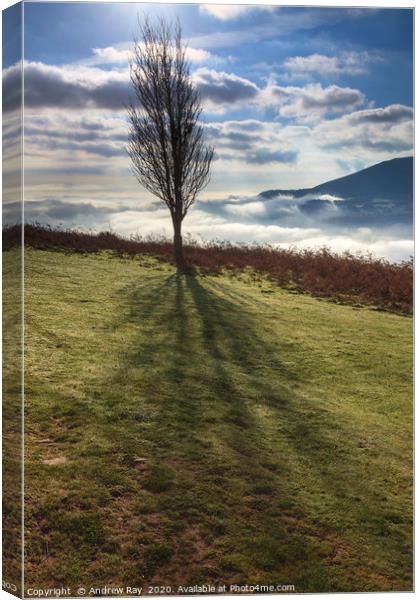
292, 97
64, 32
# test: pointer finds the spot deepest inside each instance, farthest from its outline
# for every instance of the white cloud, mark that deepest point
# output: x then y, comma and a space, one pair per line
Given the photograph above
330, 198
70, 87
255, 142
109, 55
390, 115
120, 54
101, 137
247, 209
227, 12
223, 89
394, 250
198, 55
310, 102
76, 87
345, 63
202, 226
375, 132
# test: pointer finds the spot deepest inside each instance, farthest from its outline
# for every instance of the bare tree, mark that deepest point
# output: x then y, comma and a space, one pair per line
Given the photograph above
166, 144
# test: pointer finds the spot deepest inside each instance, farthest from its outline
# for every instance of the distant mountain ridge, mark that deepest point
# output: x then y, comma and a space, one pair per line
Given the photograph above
382, 192
390, 178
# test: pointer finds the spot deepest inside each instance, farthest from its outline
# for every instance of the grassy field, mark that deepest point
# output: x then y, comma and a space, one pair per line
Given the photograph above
185, 430
12, 421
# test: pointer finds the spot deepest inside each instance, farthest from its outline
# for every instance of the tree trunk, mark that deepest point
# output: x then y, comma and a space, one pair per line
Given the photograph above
178, 251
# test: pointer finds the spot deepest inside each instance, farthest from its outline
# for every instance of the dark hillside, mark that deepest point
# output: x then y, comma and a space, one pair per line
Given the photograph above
388, 179
382, 194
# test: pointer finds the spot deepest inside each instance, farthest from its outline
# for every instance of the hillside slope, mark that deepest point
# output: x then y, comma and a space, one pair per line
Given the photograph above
383, 191
184, 430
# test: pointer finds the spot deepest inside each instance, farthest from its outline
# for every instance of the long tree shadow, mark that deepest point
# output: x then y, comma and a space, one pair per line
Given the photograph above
204, 335
204, 426
203, 457
228, 434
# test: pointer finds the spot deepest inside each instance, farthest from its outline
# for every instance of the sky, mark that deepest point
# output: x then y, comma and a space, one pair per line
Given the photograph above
292, 97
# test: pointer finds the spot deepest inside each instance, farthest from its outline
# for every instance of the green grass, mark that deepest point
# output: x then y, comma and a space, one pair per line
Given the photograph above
12, 420
211, 429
